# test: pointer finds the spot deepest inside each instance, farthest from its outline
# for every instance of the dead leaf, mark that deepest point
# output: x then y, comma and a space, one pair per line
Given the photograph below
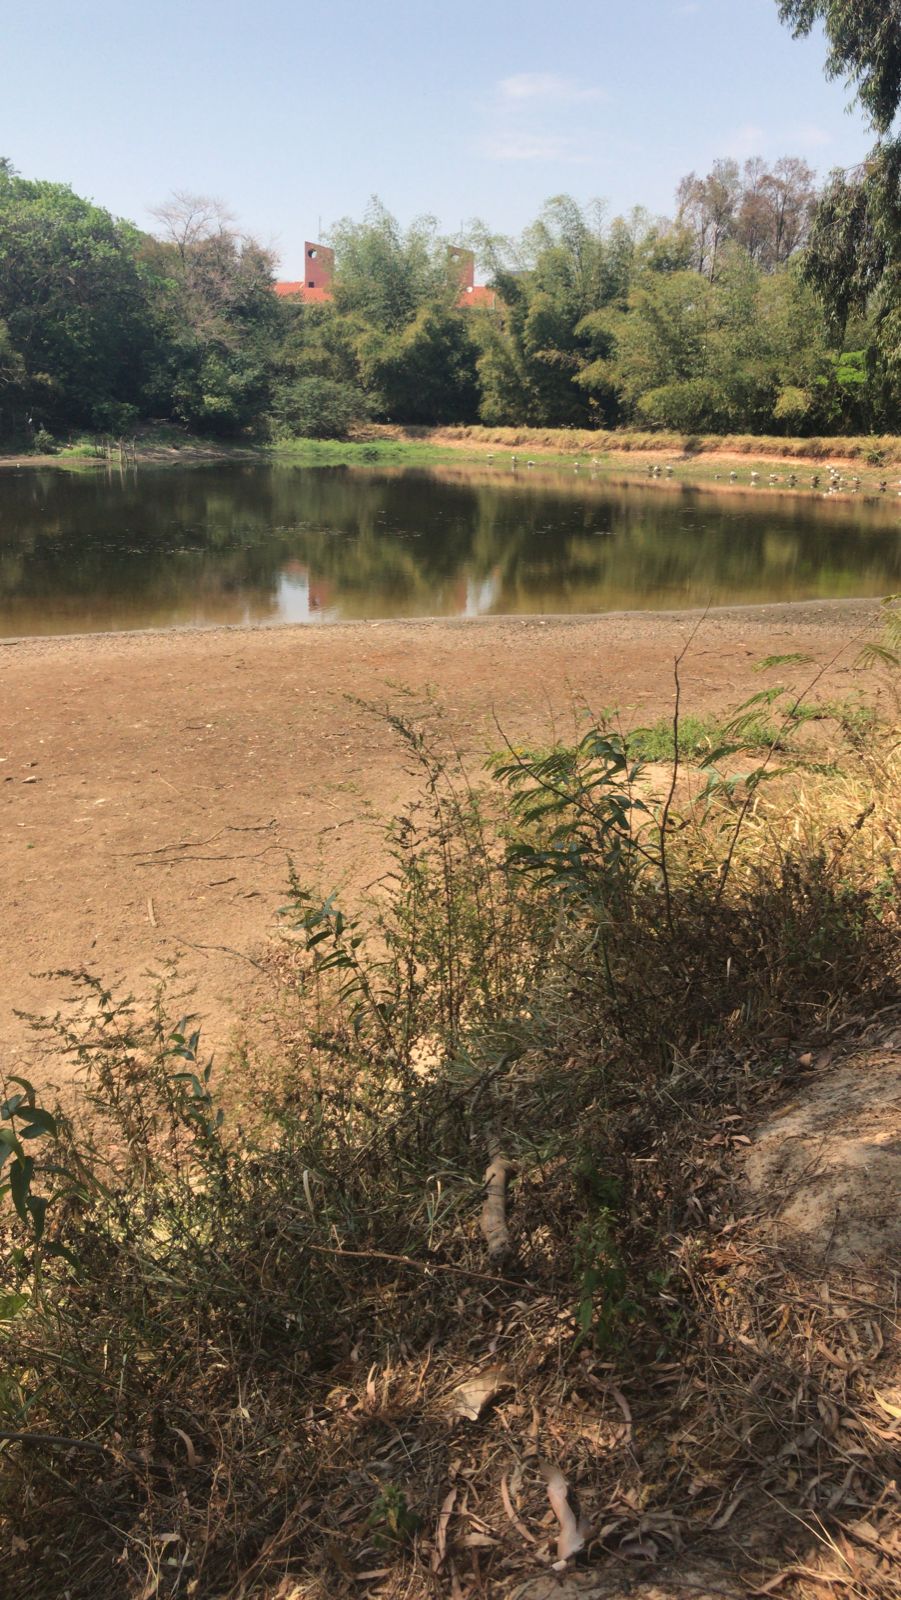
471, 1398
833, 1359
728, 1514
624, 1407
444, 1516
517, 1522
887, 1406
188, 1444
640, 1549
570, 1539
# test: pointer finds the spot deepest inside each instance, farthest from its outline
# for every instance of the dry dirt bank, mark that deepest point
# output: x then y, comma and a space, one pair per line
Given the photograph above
152, 786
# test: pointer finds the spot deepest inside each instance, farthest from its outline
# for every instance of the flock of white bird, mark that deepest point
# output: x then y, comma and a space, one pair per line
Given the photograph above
837, 482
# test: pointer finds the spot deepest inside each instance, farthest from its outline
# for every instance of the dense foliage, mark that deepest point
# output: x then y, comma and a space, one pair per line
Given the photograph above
722, 318
854, 260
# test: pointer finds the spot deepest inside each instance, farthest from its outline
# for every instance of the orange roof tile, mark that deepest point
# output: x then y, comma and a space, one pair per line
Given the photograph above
301, 291
478, 295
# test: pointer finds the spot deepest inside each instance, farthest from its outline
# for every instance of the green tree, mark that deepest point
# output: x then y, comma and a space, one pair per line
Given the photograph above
864, 46
745, 351
565, 268
396, 333
855, 248
13, 385
76, 304
317, 392
219, 323
424, 372
385, 275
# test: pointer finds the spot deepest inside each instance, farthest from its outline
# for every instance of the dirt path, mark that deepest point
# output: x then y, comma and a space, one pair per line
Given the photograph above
153, 785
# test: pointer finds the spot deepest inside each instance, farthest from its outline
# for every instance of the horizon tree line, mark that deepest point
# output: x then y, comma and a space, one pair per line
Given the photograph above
711, 320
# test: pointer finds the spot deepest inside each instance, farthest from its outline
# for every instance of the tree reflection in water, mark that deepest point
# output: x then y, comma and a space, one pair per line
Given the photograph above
248, 543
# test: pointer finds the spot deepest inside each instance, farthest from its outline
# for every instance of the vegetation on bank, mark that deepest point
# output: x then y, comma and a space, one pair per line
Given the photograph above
233, 1345
762, 305
703, 323
840, 465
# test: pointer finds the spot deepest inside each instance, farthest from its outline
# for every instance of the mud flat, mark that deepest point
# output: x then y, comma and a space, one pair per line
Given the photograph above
153, 785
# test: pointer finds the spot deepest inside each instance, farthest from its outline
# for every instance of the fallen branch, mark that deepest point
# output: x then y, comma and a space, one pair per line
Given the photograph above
408, 1261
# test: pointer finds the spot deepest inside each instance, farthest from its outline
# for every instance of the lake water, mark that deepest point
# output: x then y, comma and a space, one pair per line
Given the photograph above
258, 544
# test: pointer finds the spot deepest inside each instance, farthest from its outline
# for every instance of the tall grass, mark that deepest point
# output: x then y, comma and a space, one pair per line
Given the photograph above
229, 1353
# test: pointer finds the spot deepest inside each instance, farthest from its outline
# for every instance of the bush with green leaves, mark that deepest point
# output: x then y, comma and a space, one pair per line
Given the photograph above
317, 408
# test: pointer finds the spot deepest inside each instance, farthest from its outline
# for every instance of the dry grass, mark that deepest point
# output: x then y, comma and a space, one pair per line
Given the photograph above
875, 450
259, 1346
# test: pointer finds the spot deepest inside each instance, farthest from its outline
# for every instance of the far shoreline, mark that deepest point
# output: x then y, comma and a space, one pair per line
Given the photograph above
690, 459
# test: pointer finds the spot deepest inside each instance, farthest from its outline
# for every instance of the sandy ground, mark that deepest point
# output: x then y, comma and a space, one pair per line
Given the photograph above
153, 786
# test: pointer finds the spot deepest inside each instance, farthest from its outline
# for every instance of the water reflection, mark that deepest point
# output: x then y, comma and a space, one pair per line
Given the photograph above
247, 543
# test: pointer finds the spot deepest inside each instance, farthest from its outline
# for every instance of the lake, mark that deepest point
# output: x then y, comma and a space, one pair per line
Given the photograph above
248, 543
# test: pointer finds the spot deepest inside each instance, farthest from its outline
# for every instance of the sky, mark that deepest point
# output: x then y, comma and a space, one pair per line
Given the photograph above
294, 114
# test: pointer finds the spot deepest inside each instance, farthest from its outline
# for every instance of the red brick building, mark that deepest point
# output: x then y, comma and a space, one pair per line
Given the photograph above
319, 264
319, 267
471, 293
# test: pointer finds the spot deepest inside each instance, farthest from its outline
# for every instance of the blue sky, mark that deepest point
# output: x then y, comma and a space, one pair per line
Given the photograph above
460, 108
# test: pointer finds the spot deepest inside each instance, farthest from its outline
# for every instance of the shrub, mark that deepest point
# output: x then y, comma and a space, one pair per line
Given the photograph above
318, 408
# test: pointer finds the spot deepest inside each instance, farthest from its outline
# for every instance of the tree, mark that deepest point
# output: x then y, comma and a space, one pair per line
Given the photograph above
776, 210
189, 220
76, 304
707, 207
791, 198
385, 275
854, 258
13, 385
566, 269
424, 372
768, 210
864, 46
396, 333
220, 322
746, 351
